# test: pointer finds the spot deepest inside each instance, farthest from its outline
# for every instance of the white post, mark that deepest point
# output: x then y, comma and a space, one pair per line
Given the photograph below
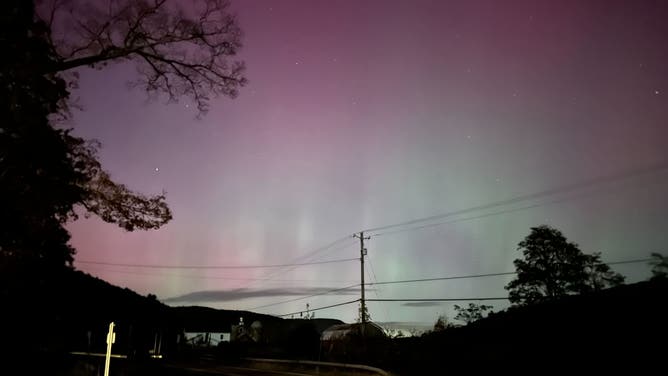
111, 338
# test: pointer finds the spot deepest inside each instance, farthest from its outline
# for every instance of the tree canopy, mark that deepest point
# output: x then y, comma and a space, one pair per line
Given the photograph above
472, 313
46, 172
552, 267
180, 49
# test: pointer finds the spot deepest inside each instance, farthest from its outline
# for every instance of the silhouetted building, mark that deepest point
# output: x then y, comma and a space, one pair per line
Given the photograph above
344, 332
206, 339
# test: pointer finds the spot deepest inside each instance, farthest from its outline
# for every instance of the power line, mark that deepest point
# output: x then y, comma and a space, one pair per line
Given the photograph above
324, 248
634, 261
386, 314
436, 299
485, 215
303, 297
548, 192
440, 299
468, 218
320, 308
154, 266
441, 278
372, 271
308, 256
629, 261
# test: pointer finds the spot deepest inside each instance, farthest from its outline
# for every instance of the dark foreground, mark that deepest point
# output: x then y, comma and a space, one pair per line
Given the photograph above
619, 328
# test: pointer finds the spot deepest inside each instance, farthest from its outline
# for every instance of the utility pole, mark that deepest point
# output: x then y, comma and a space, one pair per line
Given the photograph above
363, 311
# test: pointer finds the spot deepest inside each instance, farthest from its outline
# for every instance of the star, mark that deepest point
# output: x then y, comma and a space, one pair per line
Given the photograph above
157, 169
656, 92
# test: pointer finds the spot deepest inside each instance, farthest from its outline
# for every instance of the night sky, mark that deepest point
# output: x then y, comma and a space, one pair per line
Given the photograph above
360, 114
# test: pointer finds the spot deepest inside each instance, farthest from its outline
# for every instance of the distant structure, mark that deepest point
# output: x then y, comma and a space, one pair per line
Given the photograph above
238, 331
241, 333
346, 332
346, 340
206, 339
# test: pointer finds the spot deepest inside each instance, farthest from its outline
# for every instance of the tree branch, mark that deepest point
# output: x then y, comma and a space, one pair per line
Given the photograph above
177, 54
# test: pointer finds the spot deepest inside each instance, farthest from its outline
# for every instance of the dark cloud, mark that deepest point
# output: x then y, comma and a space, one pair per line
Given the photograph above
237, 294
422, 304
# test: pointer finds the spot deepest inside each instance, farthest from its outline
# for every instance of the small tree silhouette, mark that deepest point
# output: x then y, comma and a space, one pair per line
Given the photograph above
472, 313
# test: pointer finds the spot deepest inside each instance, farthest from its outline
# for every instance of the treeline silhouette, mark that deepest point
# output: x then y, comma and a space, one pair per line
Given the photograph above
72, 313
73, 310
620, 326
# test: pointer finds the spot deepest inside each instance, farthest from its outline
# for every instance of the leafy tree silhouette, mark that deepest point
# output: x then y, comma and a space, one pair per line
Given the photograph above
46, 172
441, 323
552, 267
473, 312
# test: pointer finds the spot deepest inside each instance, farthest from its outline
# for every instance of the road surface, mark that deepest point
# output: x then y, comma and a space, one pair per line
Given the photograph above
230, 371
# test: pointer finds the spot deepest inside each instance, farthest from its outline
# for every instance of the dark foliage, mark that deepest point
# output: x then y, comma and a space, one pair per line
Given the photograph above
472, 313
601, 330
178, 52
39, 183
46, 173
553, 267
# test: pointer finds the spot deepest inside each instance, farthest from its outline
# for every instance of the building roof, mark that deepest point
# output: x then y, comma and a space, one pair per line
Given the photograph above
339, 332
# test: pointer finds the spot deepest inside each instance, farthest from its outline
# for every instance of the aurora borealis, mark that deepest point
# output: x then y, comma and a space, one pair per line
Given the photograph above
360, 114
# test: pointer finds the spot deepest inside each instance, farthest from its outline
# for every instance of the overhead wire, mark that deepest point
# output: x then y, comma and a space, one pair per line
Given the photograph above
485, 215
156, 266
439, 278
329, 248
386, 314
633, 261
437, 299
378, 299
304, 297
549, 192
466, 218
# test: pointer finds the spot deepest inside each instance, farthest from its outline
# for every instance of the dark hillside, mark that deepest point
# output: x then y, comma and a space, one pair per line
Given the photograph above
625, 325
